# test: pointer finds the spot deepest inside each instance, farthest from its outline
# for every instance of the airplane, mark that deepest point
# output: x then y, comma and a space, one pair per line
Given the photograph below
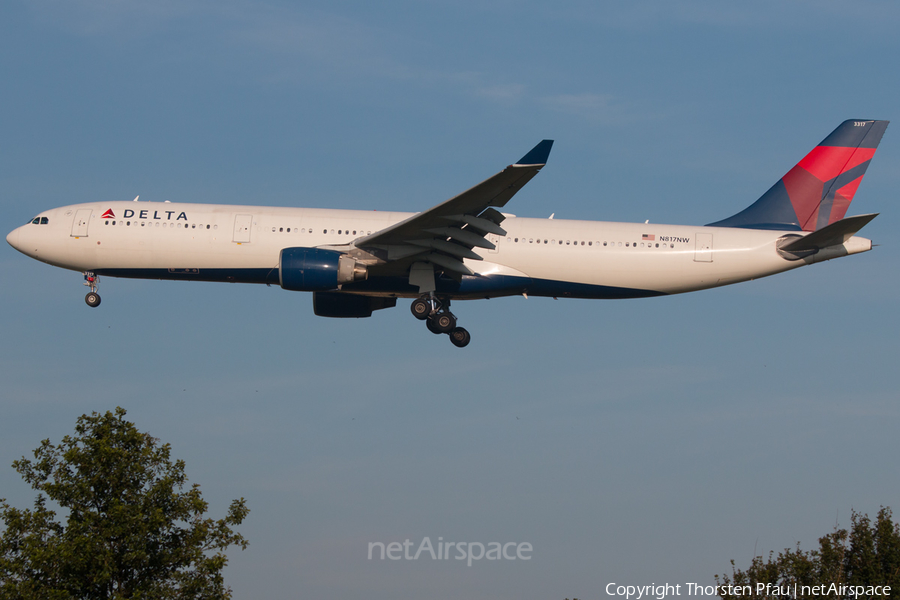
355, 262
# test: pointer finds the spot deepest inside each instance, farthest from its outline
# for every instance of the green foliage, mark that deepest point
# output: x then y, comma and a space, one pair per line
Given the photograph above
130, 531
867, 555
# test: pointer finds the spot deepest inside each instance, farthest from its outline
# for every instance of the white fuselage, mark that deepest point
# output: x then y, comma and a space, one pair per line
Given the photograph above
552, 257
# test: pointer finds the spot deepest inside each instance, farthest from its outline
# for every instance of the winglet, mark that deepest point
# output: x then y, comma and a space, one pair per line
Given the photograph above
537, 156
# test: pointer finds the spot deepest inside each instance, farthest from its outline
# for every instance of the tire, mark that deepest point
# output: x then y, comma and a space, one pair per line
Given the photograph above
443, 322
420, 308
431, 328
92, 299
460, 337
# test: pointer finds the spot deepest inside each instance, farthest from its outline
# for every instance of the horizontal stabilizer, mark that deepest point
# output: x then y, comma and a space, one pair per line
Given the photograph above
831, 235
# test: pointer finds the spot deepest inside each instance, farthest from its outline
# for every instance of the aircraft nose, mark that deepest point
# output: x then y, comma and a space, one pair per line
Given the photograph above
13, 238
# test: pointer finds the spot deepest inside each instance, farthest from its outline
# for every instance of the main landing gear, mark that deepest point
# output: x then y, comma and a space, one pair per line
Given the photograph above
438, 318
92, 281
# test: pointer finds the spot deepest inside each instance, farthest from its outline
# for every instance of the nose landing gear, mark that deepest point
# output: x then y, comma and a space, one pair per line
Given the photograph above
92, 281
438, 318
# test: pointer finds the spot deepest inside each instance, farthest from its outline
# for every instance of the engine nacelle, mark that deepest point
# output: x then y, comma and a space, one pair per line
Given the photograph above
315, 269
338, 305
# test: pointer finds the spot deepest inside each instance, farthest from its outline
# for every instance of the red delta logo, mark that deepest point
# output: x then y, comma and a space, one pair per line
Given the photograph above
109, 214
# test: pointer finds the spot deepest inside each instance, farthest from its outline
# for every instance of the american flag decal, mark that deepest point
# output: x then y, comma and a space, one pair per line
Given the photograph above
648, 237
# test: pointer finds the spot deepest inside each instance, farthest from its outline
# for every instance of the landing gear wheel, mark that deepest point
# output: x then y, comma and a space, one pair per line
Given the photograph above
431, 328
460, 337
92, 299
443, 322
420, 308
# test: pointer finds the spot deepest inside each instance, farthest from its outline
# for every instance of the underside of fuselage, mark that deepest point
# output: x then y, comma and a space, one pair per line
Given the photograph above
467, 288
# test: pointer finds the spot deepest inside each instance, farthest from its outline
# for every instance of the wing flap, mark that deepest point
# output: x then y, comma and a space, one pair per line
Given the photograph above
479, 223
447, 248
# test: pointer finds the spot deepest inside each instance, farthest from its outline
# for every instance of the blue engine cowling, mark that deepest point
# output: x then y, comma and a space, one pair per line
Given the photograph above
315, 270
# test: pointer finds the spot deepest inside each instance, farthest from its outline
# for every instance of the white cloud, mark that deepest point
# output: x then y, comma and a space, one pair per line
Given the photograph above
283, 44
502, 92
597, 108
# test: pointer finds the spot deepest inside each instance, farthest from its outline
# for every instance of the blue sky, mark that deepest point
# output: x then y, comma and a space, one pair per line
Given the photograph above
628, 441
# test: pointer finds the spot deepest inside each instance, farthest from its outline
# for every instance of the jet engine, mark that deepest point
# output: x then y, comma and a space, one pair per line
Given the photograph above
315, 269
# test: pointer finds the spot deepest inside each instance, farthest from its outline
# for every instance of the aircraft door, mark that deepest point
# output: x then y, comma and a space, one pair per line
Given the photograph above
242, 224
703, 249
494, 239
81, 222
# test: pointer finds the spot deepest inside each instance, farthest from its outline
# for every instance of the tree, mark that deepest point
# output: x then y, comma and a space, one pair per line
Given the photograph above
129, 530
867, 555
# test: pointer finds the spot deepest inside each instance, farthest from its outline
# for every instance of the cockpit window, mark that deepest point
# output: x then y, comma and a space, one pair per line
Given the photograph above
40, 221
44, 220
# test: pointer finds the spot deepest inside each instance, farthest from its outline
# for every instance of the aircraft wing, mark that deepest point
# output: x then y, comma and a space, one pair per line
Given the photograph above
447, 233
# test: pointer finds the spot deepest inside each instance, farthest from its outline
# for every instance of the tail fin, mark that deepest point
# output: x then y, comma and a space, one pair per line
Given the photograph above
818, 190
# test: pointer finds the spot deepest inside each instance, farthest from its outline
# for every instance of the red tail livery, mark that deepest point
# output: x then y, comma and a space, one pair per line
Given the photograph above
819, 189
